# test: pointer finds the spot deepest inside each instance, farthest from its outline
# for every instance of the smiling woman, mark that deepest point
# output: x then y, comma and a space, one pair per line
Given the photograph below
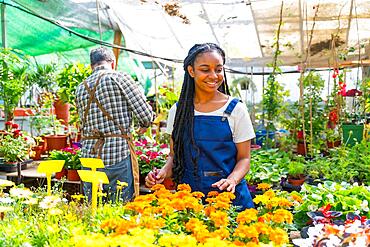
210, 131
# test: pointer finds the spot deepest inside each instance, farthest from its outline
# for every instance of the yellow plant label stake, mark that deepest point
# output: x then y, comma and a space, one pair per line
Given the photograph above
94, 177
49, 167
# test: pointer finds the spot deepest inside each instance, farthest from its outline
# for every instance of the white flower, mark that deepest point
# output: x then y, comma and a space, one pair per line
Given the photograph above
312, 208
6, 183
320, 186
359, 242
317, 197
365, 206
330, 197
303, 242
334, 241
6, 200
315, 230
20, 192
26, 244
49, 202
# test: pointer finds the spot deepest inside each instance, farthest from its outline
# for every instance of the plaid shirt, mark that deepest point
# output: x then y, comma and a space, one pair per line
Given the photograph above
121, 98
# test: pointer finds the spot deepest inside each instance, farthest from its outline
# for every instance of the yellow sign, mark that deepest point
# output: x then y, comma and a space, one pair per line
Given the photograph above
50, 166
92, 163
92, 177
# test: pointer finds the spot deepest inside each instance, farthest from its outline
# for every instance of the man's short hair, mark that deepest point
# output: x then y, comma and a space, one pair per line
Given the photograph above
101, 54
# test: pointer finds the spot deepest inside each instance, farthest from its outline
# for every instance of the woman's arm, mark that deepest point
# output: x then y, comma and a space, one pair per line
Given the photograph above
240, 170
157, 176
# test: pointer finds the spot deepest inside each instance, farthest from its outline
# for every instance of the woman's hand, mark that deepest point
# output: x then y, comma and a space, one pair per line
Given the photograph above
155, 177
227, 184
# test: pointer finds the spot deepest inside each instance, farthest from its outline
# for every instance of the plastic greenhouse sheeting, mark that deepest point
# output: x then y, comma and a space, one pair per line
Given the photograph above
49, 42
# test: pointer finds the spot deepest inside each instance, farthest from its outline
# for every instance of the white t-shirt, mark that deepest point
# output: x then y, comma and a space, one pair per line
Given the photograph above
239, 121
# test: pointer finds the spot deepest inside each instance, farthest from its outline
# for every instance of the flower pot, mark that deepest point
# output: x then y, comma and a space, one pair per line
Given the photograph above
37, 152
297, 181
56, 142
169, 184
302, 149
62, 111
333, 144
61, 174
72, 175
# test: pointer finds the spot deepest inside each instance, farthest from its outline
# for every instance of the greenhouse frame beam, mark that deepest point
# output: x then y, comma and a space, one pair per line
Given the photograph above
349, 22
257, 33
172, 31
209, 23
3, 25
301, 27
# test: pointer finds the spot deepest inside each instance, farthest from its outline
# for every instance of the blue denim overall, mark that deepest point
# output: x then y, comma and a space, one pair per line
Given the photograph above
215, 153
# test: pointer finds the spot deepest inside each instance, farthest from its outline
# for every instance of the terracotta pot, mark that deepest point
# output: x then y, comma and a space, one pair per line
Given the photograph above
169, 184
61, 174
301, 149
297, 181
62, 111
38, 151
333, 144
72, 175
56, 142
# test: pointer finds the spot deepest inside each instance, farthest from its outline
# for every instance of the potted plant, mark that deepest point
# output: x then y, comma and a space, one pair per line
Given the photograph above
68, 79
14, 80
14, 146
72, 156
296, 174
333, 138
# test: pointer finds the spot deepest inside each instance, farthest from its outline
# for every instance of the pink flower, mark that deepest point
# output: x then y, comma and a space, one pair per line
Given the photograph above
163, 146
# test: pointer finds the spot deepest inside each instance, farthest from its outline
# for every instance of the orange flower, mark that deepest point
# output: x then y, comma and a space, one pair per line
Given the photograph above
209, 209
279, 236
285, 203
247, 216
245, 231
158, 187
297, 198
262, 228
263, 186
212, 194
184, 187
198, 194
281, 215
219, 218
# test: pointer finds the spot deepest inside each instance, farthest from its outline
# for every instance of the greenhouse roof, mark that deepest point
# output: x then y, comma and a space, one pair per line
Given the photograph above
245, 29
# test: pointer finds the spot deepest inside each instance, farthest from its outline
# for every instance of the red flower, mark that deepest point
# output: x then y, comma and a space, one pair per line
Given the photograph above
300, 134
15, 126
9, 123
163, 146
333, 116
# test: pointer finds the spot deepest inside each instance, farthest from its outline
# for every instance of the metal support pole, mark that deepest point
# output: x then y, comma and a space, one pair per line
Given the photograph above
3, 25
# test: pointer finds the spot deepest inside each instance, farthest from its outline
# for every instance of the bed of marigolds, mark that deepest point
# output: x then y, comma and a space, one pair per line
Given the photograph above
183, 218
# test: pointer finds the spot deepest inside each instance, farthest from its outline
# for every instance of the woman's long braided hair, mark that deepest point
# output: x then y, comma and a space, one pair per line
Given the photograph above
184, 118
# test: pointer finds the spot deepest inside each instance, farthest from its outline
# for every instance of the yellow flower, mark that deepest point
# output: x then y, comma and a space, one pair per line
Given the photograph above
281, 215
244, 231
219, 218
121, 185
4, 209
77, 197
247, 216
279, 236
297, 198
55, 211
263, 186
